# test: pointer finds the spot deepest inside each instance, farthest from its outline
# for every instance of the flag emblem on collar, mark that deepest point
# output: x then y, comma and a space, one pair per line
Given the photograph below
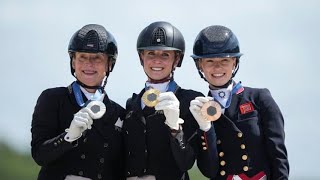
246, 108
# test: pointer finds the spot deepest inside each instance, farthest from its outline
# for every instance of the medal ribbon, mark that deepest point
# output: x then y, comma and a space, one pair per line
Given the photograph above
78, 95
233, 91
172, 86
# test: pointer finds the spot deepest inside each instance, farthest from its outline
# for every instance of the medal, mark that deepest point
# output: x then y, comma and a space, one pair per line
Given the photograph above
211, 111
149, 98
95, 109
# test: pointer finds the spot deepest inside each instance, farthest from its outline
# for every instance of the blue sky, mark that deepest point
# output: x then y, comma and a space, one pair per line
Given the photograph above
279, 40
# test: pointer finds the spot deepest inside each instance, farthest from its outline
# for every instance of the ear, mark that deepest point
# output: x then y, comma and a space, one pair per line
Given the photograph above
199, 65
72, 63
234, 63
176, 61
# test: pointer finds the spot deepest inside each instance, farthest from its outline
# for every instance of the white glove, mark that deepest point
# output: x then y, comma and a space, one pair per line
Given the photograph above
195, 109
81, 122
169, 103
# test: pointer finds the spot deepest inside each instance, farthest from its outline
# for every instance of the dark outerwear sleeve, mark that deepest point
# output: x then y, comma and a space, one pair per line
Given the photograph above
273, 129
207, 155
182, 152
47, 142
196, 144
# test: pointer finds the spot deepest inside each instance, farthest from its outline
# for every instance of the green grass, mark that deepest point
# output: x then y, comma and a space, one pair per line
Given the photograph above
15, 166
195, 174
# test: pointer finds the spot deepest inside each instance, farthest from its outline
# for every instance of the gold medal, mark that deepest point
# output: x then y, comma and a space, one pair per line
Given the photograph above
211, 111
149, 98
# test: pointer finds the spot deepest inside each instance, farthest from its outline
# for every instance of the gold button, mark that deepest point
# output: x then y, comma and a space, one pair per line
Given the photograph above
244, 157
204, 148
245, 168
203, 143
222, 173
221, 154
101, 160
242, 146
218, 141
202, 137
99, 176
80, 173
105, 145
222, 163
55, 144
240, 134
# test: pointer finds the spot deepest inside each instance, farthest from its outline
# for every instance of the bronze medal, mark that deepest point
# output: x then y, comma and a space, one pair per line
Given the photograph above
211, 111
149, 98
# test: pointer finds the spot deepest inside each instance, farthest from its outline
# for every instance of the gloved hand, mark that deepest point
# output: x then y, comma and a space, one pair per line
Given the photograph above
169, 103
81, 122
195, 109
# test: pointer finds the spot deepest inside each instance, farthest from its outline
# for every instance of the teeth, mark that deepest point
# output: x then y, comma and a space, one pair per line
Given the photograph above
157, 69
89, 72
217, 75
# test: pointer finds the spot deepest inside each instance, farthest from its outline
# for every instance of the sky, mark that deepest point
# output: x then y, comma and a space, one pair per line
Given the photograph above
279, 40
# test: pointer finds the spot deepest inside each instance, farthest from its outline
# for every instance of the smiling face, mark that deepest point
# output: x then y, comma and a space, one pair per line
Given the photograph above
90, 68
158, 64
217, 71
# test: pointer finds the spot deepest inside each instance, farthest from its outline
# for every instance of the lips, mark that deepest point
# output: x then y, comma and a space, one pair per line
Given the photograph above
157, 68
89, 72
218, 75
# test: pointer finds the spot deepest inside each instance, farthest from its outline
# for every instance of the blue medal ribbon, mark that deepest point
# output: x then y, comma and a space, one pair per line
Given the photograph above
234, 90
172, 86
78, 95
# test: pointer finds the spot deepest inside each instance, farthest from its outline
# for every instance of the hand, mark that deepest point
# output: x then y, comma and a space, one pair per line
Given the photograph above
195, 109
81, 122
169, 103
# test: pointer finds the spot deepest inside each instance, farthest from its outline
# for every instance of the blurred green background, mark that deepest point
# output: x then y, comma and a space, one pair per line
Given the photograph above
20, 166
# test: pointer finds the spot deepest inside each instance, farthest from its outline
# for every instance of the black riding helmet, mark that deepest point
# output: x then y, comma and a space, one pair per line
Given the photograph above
161, 36
216, 42
93, 38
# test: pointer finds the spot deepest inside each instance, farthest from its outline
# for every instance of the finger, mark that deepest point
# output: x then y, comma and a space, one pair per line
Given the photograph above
194, 108
166, 105
80, 122
167, 96
196, 103
180, 121
202, 99
90, 122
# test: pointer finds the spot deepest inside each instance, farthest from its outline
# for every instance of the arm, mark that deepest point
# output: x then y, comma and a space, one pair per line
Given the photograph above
274, 135
48, 142
205, 142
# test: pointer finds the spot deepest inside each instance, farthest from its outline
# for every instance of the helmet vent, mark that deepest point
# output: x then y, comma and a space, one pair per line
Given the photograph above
159, 37
91, 41
217, 34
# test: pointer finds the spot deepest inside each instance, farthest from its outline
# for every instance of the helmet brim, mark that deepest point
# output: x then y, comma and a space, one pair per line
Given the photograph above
163, 48
221, 55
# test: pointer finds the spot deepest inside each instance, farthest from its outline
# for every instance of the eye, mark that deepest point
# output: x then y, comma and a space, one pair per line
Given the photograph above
165, 55
150, 53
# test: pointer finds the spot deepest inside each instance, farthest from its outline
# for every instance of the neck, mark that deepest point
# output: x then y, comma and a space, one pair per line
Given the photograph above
213, 87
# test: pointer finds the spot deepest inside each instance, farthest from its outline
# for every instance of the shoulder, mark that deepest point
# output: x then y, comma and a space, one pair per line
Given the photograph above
262, 96
257, 92
116, 105
187, 94
54, 92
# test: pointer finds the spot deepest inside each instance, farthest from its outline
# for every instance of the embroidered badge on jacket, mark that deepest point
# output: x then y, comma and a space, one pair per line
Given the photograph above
246, 108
